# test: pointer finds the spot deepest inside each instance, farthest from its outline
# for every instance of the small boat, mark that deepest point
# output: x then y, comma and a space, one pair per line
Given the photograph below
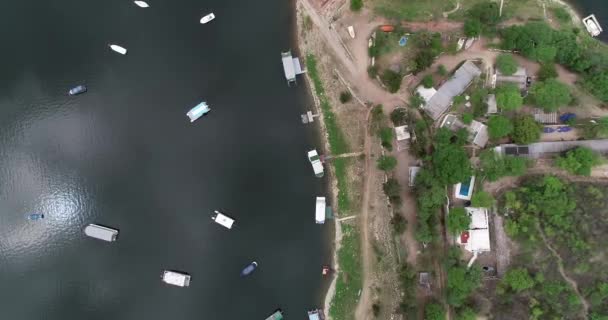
77, 90
198, 111
316, 315
592, 25
141, 4
351, 31
100, 232
277, 315
223, 220
35, 216
315, 161
249, 269
207, 18
118, 49
176, 278
326, 270
387, 28
320, 210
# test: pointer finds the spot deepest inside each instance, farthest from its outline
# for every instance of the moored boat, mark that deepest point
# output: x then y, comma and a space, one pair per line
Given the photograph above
207, 18
249, 269
316, 315
118, 49
315, 161
77, 90
35, 216
277, 315
174, 278
100, 232
141, 4
198, 111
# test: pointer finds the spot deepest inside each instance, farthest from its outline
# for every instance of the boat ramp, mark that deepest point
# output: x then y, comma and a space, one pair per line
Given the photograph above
291, 67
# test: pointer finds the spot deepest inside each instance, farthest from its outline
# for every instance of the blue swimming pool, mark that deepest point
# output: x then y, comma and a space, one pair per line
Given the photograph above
464, 187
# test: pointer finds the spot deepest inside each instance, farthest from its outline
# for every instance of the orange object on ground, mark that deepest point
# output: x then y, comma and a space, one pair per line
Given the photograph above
387, 28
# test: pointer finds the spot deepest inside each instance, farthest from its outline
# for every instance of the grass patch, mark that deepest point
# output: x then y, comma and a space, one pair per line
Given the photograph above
349, 280
335, 136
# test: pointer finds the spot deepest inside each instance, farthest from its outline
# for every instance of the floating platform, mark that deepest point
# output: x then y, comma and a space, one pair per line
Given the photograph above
176, 278
291, 67
592, 25
223, 220
320, 210
101, 232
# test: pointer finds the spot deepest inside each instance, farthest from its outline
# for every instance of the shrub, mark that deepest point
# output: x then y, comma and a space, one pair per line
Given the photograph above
392, 80
472, 27
499, 126
506, 64
345, 96
434, 311
579, 161
372, 71
467, 118
386, 136
387, 163
427, 81
546, 71
356, 5
525, 130
458, 220
399, 117
561, 14
399, 223
518, 280
441, 70
482, 199
508, 97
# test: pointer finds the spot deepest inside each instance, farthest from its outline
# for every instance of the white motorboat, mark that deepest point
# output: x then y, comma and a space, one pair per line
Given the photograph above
141, 4
100, 232
176, 278
223, 220
198, 111
207, 18
118, 49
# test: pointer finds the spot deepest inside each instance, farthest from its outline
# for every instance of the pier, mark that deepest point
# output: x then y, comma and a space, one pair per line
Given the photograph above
291, 67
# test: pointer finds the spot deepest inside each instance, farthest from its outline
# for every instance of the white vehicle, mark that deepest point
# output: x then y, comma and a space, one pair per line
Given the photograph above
141, 4
175, 278
101, 232
118, 49
317, 166
223, 220
207, 18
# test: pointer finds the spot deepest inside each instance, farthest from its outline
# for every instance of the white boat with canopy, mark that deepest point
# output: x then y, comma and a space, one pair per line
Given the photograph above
141, 4
320, 210
198, 111
223, 220
101, 232
118, 49
207, 18
176, 278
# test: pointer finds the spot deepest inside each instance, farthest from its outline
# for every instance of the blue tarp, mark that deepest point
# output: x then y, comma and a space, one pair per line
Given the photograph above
403, 41
564, 129
548, 130
567, 117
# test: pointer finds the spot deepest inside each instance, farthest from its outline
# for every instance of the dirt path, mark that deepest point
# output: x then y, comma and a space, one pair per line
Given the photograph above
560, 267
408, 209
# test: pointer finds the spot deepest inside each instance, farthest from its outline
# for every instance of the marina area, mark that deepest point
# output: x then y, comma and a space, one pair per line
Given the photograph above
115, 155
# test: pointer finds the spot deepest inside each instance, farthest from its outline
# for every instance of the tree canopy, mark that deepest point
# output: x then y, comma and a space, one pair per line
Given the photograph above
482, 199
461, 282
387, 163
495, 166
579, 161
472, 27
458, 220
434, 311
508, 97
550, 94
506, 64
356, 5
451, 164
499, 126
427, 81
518, 280
546, 71
392, 80
466, 313
525, 130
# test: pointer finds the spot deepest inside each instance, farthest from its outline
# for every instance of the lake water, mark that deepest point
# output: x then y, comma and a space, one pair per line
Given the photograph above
125, 155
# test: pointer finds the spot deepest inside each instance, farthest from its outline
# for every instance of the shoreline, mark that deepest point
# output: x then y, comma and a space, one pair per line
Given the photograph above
332, 189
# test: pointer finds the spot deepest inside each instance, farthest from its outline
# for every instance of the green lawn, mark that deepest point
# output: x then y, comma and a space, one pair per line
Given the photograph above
349, 278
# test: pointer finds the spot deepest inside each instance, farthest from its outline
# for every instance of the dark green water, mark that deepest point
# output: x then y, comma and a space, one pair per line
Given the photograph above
126, 156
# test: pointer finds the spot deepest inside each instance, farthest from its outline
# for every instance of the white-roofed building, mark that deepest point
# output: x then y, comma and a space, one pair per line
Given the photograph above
477, 238
403, 136
426, 93
479, 133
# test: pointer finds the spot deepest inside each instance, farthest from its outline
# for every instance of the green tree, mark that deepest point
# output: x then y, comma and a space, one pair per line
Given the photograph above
416, 100
579, 161
525, 130
467, 118
458, 221
495, 166
386, 136
545, 54
356, 5
466, 313
441, 70
345, 96
399, 116
546, 71
387, 163
392, 188
461, 283
472, 27
451, 164
550, 94
499, 126
508, 97
518, 280
434, 311
423, 59
427, 81
479, 101
506, 64
486, 12
561, 14
482, 199
392, 80
597, 84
